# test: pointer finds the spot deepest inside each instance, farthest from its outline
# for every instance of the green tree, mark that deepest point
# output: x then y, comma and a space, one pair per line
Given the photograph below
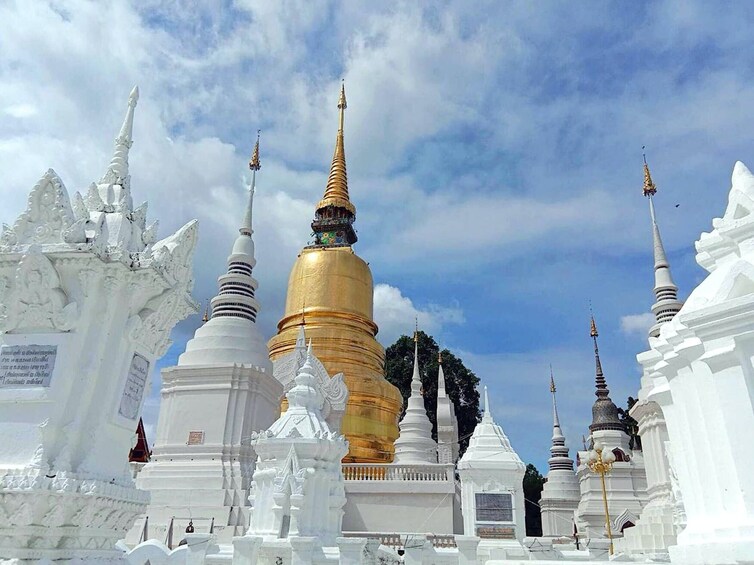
534, 482
460, 382
632, 426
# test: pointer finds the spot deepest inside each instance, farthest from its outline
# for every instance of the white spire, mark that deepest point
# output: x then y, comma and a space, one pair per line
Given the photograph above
231, 334
415, 443
254, 165
447, 423
487, 415
441, 381
117, 171
559, 452
666, 305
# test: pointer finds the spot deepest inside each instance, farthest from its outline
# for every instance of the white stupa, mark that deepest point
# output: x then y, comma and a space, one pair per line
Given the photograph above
220, 392
626, 483
659, 522
415, 443
231, 334
561, 494
447, 423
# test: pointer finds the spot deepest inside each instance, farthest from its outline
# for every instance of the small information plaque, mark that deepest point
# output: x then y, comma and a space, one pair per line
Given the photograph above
195, 438
134, 389
26, 366
496, 532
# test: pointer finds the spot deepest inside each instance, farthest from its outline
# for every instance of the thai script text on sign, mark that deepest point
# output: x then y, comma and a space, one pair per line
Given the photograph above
134, 389
23, 366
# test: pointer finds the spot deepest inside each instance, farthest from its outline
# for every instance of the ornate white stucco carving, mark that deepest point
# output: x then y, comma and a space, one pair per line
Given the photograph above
334, 390
47, 217
702, 358
37, 302
86, 308
298, 487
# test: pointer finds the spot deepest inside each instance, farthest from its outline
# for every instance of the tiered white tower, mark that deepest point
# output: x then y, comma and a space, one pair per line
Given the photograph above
626, 484
492, 477
447, 423
87, 302
298, 490
219, 393
561, 494
415, 443
657, 528
703, 358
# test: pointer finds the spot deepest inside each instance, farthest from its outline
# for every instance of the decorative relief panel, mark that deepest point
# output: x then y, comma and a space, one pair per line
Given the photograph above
37, 302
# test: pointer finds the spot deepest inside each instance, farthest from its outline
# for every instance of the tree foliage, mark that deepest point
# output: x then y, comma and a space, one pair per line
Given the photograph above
534, 482
460, 382
632, 426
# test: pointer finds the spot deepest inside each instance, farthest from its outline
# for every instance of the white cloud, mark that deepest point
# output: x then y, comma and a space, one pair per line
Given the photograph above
637, 324
396, 314
21, 110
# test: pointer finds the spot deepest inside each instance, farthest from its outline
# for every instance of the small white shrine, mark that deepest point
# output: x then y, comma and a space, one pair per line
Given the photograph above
87, 301
492, 493
298, 489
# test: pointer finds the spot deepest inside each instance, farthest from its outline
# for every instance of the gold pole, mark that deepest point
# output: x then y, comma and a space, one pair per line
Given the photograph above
604, 500
599, 465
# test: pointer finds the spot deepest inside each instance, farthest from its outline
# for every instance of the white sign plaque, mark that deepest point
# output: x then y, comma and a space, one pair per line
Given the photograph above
25, 366
134, 389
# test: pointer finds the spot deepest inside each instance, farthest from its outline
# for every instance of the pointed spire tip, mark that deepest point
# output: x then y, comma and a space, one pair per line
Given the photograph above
254, 164
650, 188
342, 105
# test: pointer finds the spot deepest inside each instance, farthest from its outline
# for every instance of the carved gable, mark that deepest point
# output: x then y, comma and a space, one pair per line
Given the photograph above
48, 215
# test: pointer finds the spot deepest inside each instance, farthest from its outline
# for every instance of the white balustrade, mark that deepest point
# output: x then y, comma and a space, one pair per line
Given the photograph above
422, 473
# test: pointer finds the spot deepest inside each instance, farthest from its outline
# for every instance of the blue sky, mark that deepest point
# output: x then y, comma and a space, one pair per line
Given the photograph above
494, 157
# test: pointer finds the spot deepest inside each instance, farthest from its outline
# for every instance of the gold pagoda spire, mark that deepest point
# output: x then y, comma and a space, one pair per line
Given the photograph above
336, 191
552, 381
254, 164
650, 188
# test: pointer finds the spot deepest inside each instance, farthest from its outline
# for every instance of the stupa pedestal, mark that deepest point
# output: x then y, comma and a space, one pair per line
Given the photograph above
87, 302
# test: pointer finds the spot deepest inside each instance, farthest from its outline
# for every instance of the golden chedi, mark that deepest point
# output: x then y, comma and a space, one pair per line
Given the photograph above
330, 290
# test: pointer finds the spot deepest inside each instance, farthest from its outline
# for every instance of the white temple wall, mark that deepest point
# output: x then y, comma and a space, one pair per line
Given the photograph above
411, 511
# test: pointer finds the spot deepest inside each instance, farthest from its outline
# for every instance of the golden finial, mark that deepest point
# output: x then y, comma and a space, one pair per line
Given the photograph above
593, 329
552, 380
342, 105
205, 318
254, 162
416, 329
336, 191
650, 188
439, 357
